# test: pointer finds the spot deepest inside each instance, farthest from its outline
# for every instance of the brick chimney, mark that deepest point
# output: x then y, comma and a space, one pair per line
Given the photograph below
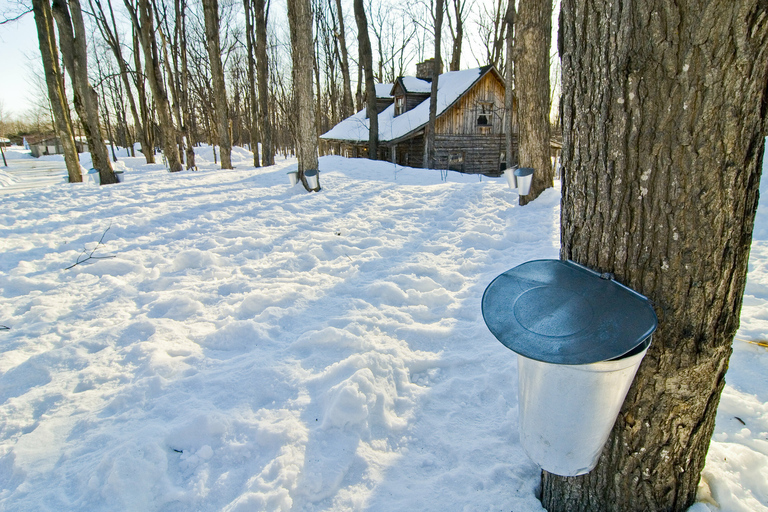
424, 69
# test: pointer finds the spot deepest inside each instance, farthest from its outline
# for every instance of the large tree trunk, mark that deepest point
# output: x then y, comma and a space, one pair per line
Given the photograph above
262, 72
347, 104
429, 139
55, 83
664, 119
211, 12
146, 32
75, 52
302, 52
366, 60
531, 57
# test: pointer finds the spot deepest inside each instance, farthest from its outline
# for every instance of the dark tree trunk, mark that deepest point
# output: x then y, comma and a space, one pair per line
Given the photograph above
211, 12
55, 83
302, 52
186, 104
262, 72
347, 105
429, 139
509, 82
531, 57
75, 52
664, 119
252, 104
458, 35
366, 60
146, 115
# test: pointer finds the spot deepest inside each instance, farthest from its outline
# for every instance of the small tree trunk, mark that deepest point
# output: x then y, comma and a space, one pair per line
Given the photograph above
663, 146
211, 12
534, 25
429, 139
509, 82
55, 83
262, 71
347, 104
366, 60
302, 52
147, 119
252, 104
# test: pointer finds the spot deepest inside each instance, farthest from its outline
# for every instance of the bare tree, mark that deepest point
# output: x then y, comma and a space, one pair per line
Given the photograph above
429, 136
302, 52
261, 12
347, 105
143, 23
55, 83
366, 61
456, 27
531, 57
664, 136
211, 13
69, 19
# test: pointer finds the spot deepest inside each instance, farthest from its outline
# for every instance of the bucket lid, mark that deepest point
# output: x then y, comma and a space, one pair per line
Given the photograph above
523, 171
311, 172
561, 312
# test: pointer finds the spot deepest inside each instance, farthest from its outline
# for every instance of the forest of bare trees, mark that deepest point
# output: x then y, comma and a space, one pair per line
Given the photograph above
170, 74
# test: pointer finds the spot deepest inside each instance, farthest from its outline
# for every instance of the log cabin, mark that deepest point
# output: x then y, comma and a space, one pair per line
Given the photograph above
469, 128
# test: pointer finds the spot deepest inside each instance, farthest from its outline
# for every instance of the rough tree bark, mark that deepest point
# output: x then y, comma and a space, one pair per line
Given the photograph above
75, 53
186, 104
302, 52
509, 82
531, 57
144, 26
664, 118
55, 83
211, 13
347, 104
366, 61
254, 106
429, 139
141, 90
260, 13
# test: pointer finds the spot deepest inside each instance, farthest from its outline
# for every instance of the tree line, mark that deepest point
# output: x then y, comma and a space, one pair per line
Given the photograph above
171, 74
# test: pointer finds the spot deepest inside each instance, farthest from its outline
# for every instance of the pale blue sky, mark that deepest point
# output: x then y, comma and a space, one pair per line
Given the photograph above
17, 41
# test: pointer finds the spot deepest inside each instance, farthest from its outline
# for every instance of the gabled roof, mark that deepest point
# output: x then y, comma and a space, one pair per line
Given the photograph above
450, 87
411, 84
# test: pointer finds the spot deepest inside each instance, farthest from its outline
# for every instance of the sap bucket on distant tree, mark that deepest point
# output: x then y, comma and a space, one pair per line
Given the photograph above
580, 337
511, 179
293, 177
311, 176
524, 177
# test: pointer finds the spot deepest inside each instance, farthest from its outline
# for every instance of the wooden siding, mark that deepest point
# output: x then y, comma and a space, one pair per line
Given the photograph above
462, 117
473, 154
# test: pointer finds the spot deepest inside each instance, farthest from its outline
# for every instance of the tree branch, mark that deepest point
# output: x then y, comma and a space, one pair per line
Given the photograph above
91, 256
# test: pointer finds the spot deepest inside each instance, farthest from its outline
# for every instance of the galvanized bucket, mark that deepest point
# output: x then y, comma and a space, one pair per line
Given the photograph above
524, 177
511, 179
311, 176
293, 177
580, 337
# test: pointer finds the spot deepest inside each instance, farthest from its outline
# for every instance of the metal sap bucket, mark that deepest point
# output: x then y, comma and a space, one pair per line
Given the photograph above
293, 177
511, 179
524, 177
311, 176
580, 338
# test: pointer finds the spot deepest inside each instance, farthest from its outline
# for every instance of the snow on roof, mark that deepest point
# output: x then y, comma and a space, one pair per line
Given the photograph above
384, 90
450, 87
413, 84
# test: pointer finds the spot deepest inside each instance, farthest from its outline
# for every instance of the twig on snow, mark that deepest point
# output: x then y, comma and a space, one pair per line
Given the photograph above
91, 256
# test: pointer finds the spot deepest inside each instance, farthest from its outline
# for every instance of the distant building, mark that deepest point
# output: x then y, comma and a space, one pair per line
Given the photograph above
469, 128
50, 144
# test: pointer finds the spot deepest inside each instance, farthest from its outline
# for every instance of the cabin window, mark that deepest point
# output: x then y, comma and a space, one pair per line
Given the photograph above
456, 161
484, 115
399, 105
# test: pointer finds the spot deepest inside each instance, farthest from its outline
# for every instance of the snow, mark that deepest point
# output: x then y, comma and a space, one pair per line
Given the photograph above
244, 345
450, 87
383, 90
417, 85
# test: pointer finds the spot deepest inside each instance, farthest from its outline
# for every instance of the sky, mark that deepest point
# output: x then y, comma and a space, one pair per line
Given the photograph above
18, 43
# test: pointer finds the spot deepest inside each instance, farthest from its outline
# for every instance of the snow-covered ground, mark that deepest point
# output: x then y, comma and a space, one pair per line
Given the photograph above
244, 345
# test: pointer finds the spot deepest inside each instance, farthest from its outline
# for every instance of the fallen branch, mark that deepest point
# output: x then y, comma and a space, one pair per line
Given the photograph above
91, 256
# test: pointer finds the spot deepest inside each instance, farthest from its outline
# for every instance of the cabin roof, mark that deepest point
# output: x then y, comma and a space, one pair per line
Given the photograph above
384, 90
450, 87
